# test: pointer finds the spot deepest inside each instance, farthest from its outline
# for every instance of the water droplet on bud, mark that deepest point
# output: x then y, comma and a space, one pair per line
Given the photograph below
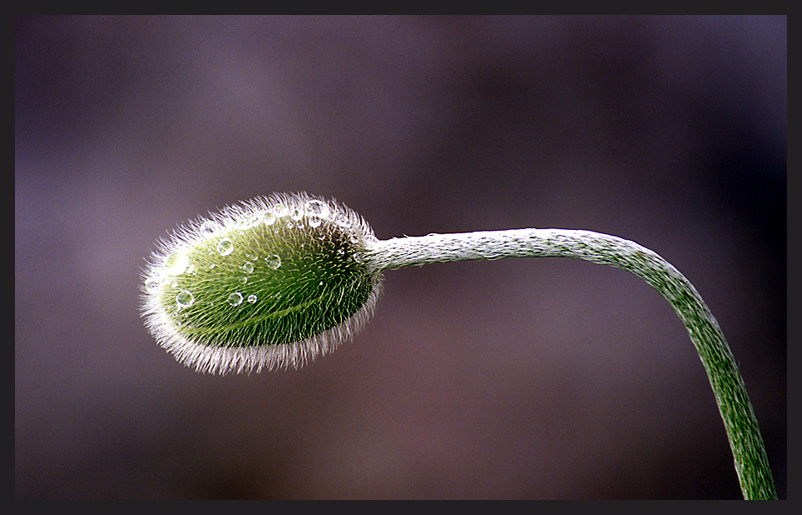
251, 221
152, 284
225, 247
184, 299
235, 299
273, 261
176, 263
317, 209
281, 210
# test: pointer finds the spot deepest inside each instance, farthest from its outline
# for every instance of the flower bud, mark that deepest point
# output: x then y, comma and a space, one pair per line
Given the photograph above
268, 283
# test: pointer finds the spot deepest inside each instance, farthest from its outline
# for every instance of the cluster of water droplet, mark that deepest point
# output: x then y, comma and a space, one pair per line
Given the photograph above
239, 259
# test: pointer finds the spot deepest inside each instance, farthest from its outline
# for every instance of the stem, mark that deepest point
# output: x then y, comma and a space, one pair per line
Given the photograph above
751, 461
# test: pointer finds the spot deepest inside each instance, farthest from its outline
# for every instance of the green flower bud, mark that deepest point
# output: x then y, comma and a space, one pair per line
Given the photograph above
268, 283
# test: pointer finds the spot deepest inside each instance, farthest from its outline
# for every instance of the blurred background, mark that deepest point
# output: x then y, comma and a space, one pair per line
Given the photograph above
512, 379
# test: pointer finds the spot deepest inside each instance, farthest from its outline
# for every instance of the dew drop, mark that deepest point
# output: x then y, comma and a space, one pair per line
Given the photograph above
176, 263
314, 221
281, 210
251, 298
317, 209
184, 299
342, 222
152, 284
225, 247
270, 219
248, 267
273, 261
235, 299
251, 221
297, 213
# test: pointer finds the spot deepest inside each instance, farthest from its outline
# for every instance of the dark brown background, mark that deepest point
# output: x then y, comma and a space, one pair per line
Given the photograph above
535, 379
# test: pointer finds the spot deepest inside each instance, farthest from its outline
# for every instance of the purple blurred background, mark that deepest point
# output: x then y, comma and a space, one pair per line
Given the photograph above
533, 379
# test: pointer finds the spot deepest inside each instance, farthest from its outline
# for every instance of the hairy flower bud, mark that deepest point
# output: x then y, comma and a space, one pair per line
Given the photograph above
268, 283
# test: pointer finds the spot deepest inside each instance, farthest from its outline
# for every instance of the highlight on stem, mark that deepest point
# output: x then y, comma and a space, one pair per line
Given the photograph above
277, 281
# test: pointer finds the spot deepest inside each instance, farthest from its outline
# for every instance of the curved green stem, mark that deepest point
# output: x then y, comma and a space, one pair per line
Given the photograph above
751, 461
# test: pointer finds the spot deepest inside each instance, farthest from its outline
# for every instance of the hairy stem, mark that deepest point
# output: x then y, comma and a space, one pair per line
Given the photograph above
751, 462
